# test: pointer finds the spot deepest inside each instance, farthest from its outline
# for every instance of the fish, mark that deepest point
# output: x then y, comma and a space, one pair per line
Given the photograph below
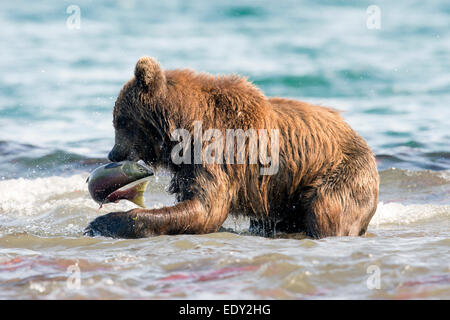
115, 181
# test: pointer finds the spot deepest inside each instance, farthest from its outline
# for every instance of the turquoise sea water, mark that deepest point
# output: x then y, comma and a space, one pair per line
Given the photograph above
58, 86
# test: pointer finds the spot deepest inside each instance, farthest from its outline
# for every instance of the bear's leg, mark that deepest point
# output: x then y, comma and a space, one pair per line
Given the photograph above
189, 216
337, 209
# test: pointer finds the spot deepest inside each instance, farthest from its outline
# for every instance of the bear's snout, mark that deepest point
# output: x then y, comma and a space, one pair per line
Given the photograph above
117, 154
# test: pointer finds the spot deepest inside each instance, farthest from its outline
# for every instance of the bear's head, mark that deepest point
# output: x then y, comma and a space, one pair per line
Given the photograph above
139, 133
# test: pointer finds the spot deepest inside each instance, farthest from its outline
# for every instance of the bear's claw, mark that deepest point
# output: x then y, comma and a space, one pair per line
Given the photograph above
114, 225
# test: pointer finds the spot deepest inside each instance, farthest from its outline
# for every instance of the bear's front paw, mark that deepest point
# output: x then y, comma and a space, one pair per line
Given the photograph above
114, 224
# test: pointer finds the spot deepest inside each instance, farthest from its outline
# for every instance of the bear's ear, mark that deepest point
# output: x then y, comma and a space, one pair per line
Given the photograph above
149, 74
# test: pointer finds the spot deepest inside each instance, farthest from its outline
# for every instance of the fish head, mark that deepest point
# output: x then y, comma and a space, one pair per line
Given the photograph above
107, 179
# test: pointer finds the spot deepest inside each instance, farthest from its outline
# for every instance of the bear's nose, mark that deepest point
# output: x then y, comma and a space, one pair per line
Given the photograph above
113, 156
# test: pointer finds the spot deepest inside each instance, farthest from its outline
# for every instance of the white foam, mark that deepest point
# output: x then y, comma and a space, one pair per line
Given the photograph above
397, 213
29, 197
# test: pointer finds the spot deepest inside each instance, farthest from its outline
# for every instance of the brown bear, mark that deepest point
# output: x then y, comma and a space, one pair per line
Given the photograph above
325, 183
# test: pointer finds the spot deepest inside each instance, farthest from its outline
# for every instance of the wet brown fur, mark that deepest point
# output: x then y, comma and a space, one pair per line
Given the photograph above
326, 185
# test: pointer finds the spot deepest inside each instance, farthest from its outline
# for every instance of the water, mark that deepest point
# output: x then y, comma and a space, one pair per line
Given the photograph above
57, 89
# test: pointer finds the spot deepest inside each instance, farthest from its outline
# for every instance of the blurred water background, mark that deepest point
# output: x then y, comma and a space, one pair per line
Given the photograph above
57, 88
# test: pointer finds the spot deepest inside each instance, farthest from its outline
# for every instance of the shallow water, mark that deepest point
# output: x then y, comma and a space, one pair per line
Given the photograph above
41, 240
57, 89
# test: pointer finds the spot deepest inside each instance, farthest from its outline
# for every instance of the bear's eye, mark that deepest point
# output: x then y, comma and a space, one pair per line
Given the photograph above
121, 122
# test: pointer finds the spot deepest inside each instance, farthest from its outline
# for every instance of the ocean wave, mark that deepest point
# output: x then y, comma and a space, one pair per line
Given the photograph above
31, 161
415, 187
400, 214
408, 158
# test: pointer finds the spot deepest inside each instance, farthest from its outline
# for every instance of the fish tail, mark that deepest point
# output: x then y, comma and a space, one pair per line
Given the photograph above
139, 198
